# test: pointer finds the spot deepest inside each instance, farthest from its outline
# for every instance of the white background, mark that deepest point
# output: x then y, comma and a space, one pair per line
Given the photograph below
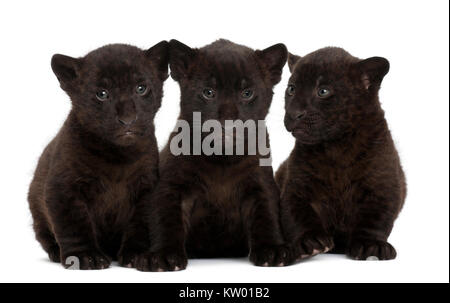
413, 35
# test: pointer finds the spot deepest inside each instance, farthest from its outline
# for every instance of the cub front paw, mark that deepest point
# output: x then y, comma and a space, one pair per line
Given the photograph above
161, 261
129, 258
312, 244
86, 260
367, 249
277, 255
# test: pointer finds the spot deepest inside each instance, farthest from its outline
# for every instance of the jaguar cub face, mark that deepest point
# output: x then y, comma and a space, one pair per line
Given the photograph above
330, 92
226, 81
115, 90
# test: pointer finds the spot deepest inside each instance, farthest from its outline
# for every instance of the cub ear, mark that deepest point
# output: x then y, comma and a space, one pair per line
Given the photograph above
274, 58
65, 68
372, 71
292, 60
159, 56
180, 59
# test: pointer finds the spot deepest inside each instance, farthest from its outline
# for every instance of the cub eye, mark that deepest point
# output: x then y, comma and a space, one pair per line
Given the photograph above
141, 89
247, 94
102, 95
290, 90
209, 93
323, 92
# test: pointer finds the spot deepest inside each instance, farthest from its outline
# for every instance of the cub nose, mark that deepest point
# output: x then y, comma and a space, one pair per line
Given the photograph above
127, 120
297, 114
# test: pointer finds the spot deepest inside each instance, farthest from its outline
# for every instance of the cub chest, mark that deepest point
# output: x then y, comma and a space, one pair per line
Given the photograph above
215, 219
217, 199
332, 194
113, 201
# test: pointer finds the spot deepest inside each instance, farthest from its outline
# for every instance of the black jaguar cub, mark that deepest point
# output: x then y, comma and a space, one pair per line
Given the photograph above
343, 184
85, 195
207, 205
